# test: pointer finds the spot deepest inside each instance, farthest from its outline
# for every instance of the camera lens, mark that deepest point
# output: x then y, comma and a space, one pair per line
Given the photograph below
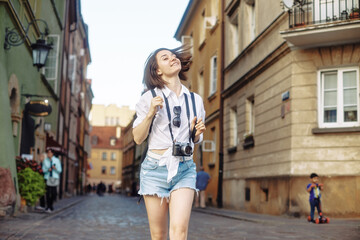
186, 150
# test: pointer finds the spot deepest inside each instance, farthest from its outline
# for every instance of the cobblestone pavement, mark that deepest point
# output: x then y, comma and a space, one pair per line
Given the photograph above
119, 217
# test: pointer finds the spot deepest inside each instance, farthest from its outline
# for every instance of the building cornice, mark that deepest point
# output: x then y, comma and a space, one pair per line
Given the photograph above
187, 16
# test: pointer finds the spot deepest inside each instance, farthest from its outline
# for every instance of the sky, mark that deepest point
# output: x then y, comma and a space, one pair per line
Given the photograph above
122, 34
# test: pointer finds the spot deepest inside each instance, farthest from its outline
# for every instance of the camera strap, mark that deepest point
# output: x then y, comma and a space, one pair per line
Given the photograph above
169, 115
50, 174
188, 115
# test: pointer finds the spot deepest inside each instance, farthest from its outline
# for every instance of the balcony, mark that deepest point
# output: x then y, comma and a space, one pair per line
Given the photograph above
318, 23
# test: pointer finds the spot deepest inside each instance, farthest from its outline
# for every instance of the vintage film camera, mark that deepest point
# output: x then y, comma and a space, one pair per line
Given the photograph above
182, 149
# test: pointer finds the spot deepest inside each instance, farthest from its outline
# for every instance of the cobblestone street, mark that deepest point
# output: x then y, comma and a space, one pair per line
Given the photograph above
119, 217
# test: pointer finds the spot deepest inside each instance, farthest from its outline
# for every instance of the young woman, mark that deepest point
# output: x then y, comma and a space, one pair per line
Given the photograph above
169, 119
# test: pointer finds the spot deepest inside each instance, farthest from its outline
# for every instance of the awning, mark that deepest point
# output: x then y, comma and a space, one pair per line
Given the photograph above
54, 145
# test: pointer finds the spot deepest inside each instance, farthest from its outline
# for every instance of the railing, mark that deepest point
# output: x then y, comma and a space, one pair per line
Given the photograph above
310, 12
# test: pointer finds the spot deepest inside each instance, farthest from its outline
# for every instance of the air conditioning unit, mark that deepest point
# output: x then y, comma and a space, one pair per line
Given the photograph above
210, 22
208, 146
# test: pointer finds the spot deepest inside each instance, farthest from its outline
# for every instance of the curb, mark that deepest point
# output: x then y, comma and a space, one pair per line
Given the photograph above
224, 215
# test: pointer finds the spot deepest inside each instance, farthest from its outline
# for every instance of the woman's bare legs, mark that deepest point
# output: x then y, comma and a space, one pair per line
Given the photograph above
180, 209
157, 212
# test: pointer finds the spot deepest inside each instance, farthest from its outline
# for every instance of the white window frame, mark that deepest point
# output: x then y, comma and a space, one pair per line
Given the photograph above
250, 115
113, 156
340, 99
234, 34
55, 48
213, 75
234, 139
112, 170
104, 156
202, 33
72, 72
200, 82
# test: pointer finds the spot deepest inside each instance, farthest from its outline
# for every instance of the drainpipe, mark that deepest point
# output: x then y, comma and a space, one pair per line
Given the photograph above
221, 128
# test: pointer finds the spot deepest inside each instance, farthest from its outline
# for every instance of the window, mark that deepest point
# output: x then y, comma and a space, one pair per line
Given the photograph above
233, 127
264, 197
104, 156
251, 20
188, 41
113, 156
234, 36
51, 65
250, 115
103, 170
247, 194
94, 140
112, 171
338, 97
213, 74
201, 83
212, 157
202, 28
112, 141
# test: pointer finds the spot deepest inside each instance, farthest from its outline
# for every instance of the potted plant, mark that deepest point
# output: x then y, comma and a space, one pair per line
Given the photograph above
248, 141
354, 13
31, 185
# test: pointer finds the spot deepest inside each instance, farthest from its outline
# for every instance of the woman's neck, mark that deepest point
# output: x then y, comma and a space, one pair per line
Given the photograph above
174, 85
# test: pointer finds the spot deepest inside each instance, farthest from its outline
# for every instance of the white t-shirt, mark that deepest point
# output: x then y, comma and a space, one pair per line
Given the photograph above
160, 137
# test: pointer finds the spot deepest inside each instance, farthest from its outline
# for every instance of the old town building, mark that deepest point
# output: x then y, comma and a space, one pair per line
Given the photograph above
105, 163
201, 29
75, 102
36, 106
291, 105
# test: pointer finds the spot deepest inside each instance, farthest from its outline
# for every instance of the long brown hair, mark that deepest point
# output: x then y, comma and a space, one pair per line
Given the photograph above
152, 79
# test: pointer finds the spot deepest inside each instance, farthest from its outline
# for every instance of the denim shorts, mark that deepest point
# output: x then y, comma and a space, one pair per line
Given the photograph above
153, 178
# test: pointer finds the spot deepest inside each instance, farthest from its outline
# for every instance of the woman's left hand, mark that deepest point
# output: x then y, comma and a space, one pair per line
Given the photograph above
199, 126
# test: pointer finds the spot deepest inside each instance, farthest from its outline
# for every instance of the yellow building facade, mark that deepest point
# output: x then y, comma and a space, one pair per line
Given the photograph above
106, 158
200, 28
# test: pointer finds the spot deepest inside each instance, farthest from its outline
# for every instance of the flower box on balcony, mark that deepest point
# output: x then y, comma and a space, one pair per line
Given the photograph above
354, 13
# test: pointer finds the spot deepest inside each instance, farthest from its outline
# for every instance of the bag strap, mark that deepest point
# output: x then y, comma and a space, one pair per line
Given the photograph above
154, 95
194, 109
50, 174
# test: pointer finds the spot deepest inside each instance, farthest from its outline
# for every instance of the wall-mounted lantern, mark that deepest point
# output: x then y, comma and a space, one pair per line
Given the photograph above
40, 49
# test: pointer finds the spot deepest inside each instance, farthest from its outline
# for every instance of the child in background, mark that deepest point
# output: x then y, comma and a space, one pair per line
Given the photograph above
314, 189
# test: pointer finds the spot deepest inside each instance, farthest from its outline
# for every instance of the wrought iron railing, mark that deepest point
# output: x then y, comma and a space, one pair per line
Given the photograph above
309, 12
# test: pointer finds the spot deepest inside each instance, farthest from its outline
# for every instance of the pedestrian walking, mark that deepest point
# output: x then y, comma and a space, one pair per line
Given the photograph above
314, 189
202, 180
52, 169
173, 120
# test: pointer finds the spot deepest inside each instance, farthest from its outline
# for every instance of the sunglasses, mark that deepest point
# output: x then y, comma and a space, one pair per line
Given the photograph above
177, 112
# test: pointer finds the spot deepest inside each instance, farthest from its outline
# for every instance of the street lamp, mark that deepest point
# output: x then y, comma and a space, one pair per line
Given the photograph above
40, 49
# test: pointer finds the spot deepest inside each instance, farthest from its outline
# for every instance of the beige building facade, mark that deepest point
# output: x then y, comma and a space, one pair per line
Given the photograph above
111, 115
291, 107
106, 158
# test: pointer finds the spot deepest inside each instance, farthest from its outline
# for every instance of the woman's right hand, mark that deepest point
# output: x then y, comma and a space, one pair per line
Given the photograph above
155, 103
